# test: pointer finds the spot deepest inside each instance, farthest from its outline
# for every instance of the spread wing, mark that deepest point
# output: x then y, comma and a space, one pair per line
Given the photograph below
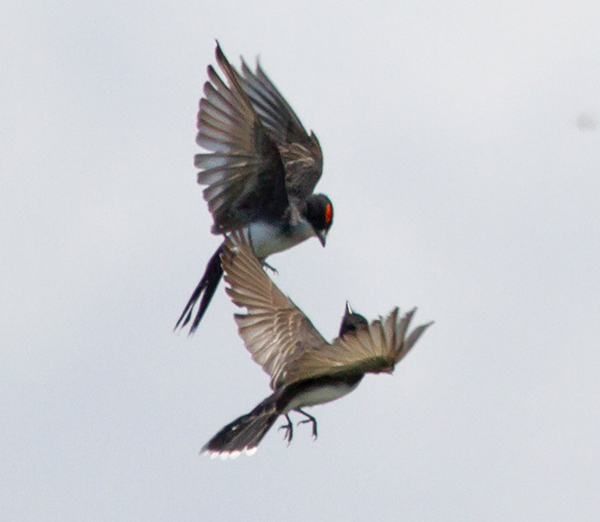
301, 152
244, 170
274, 330
376, 348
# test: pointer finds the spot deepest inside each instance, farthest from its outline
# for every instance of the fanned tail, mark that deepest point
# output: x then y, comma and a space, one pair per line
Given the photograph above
203, 292
245, 433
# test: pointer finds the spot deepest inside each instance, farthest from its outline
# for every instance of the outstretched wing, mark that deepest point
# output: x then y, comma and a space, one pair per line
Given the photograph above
301, 152
274, 330
376, 348
244, 170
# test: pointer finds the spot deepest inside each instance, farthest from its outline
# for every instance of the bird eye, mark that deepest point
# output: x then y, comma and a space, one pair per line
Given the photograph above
328, 213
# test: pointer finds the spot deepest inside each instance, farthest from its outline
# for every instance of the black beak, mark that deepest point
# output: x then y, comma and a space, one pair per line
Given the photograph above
322, 235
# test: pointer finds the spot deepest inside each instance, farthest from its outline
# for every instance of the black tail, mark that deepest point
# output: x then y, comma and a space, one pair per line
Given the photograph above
244, 433
205, 290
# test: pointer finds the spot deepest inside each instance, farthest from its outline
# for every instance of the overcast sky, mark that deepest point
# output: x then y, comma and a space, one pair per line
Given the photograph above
462, 154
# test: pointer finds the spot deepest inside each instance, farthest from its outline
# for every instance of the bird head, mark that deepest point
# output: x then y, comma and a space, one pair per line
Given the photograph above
352, 322
319, 213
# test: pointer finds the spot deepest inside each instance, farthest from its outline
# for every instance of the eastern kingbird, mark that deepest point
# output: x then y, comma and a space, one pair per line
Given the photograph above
305, 369
260, 172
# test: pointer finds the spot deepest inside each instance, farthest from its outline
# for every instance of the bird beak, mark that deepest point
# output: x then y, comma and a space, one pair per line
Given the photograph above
348, 309
322, 237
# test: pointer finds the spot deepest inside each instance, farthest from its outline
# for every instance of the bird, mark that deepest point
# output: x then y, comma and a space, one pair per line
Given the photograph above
260, 172
305, 369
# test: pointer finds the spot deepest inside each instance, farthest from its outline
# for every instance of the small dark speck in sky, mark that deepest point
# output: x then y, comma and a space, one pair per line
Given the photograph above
587, 121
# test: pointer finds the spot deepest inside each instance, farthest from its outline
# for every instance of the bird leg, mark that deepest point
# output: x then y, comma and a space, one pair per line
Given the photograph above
310, 419
289, 430
271, 268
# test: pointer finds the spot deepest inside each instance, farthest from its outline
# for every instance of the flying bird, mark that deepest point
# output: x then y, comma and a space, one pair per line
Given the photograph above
305, 369
260, 172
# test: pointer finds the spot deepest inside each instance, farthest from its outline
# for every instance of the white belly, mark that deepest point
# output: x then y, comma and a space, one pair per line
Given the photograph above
265, 239
319, 395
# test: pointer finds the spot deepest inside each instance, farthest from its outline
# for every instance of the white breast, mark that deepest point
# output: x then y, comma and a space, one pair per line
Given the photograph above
319, 395
267, 239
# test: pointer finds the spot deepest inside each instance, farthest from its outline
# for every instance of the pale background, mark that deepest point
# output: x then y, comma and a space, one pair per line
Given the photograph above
462, 154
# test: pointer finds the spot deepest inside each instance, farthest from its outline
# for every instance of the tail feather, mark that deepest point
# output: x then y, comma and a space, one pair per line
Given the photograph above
204, 292
244, 433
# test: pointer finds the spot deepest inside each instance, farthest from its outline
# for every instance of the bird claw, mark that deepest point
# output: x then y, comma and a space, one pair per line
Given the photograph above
311, 419
314, 426
271, 268
289, 430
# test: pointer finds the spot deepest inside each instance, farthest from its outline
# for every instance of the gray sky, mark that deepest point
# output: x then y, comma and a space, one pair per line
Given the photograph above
462, 154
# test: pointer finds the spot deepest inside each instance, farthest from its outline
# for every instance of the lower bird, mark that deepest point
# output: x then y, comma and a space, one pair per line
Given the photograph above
305, 369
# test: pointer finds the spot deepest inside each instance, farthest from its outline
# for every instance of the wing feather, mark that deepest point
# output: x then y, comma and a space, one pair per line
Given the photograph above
301, 153
376, 348
274, 329
243, 171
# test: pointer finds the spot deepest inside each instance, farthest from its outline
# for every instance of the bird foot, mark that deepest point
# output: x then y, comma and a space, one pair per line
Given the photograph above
289, 430
271, 268
311, 419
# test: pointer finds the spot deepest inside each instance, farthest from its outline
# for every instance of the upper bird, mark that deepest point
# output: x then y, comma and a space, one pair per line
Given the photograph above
305, 369
260, 172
